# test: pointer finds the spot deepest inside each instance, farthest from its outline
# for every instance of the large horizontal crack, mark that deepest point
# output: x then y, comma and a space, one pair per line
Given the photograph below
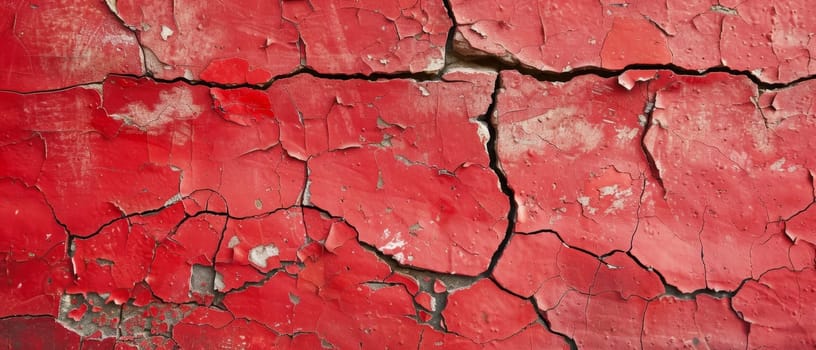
489, 64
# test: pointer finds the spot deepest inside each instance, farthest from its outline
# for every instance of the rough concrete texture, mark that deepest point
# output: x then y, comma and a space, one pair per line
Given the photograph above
429, 174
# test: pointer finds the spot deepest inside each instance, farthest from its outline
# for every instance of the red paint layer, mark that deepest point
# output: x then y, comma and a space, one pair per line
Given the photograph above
55, 44
769, 39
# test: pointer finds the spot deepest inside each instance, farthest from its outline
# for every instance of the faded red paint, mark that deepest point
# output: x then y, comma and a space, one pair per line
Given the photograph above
53, 44
196, 175
777, 306
769, 39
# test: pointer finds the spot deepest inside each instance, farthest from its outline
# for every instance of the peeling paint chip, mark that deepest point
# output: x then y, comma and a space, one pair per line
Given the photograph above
166, 32
259, 254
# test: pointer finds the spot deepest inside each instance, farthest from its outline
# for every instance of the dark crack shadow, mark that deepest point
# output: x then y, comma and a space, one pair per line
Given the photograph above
490, 118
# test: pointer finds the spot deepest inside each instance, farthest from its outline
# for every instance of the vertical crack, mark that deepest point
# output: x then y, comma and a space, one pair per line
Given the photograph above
218, 295
639, 208
449, 50
643, 323
491, 121
143, 52
648, 112
702, 247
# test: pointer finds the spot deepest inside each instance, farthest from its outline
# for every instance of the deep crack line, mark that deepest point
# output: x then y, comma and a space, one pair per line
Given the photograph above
453, 59
542, 316
490, 118
648, 112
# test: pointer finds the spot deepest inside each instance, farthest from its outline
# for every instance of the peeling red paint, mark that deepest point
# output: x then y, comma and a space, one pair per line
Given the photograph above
327, 174
176, 257
460, 239
34, 265
483, 312
54, 44
362, 144
351, 280
657, 212
596, 203
570, 274
703, 322
769, 39
252, 43
225, 332
116, 259
777, 306
226, 42
737, 149
371, 36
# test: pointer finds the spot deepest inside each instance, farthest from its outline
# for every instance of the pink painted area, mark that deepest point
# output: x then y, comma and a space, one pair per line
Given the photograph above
397, 174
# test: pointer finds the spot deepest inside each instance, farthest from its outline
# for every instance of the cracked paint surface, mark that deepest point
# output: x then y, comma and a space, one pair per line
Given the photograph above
53, 44
252, 43
407, 175
770, 39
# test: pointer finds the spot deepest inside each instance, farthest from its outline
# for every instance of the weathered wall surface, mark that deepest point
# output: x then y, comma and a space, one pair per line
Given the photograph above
422, 174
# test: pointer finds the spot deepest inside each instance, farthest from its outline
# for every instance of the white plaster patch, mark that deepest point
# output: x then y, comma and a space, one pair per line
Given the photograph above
584, 201
741, 159
642, 120
608, 190
616, 205
476, 30
778, 165
175, 199
522, 214
259, 254
112, 6
166, 32
174, 104
219, 282
483, 132
121, 39
435, 64
559, 127
618, 195
625, 134
307, 193
233, 242
393, 244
